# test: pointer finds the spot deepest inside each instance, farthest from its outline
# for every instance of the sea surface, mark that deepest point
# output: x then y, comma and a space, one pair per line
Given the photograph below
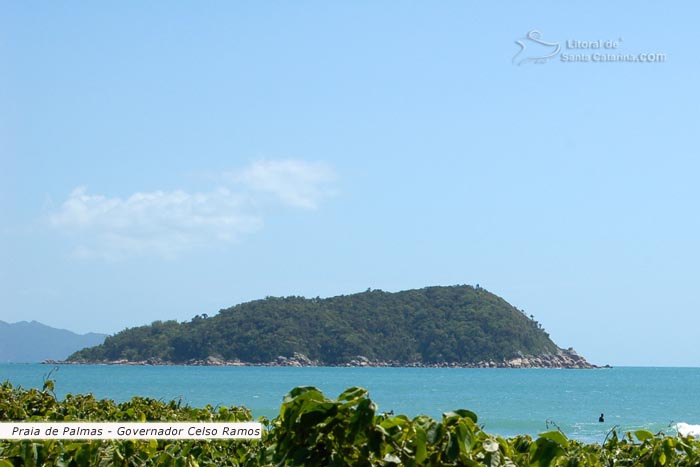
507, 401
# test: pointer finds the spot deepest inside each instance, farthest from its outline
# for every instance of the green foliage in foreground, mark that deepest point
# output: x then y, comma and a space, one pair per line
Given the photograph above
312, 430
430, 325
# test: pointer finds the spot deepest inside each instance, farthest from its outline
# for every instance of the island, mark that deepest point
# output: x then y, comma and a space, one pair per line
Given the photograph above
440, 326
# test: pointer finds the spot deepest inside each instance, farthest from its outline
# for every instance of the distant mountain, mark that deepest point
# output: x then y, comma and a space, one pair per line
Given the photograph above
27, 342
430, 326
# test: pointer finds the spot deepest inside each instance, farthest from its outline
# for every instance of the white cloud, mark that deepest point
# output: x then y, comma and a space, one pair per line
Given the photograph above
159, 222
293, 182
168, 222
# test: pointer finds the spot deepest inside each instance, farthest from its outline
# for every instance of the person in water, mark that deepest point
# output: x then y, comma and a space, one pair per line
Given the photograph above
601, 419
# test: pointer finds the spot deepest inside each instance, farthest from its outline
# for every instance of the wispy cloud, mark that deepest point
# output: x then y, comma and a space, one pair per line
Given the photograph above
293, 182
167, 222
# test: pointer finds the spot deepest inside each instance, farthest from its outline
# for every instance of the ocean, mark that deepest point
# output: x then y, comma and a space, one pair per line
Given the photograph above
507, 401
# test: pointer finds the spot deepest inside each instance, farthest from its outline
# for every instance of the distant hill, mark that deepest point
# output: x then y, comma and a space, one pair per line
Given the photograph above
455, 324
27, 342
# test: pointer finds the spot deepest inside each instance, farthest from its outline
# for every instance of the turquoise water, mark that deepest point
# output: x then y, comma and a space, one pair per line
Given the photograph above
507, 401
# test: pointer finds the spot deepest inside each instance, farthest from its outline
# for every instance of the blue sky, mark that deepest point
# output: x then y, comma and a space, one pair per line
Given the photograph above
166, 159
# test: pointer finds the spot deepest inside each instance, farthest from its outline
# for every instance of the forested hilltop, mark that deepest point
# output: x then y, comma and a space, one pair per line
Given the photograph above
456, 325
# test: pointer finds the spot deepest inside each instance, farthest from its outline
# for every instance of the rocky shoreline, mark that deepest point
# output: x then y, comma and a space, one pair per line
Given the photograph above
566, 359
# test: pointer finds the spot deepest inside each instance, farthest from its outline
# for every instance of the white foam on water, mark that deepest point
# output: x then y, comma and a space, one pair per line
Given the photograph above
685, 429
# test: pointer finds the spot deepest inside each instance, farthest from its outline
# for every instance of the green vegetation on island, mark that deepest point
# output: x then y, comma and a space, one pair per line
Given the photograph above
455, 324
314, 431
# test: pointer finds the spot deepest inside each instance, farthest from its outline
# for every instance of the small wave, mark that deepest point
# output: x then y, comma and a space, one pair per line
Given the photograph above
685, 429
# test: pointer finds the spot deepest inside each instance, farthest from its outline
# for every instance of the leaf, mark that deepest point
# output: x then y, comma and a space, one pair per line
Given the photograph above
352, 394
300, 391
4, 463
421, 441
433, 432
661, 459
452, 450
643, 435
555, 436
544, 451
49, 385
363, 417
390, 423
461, 413
465, 437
